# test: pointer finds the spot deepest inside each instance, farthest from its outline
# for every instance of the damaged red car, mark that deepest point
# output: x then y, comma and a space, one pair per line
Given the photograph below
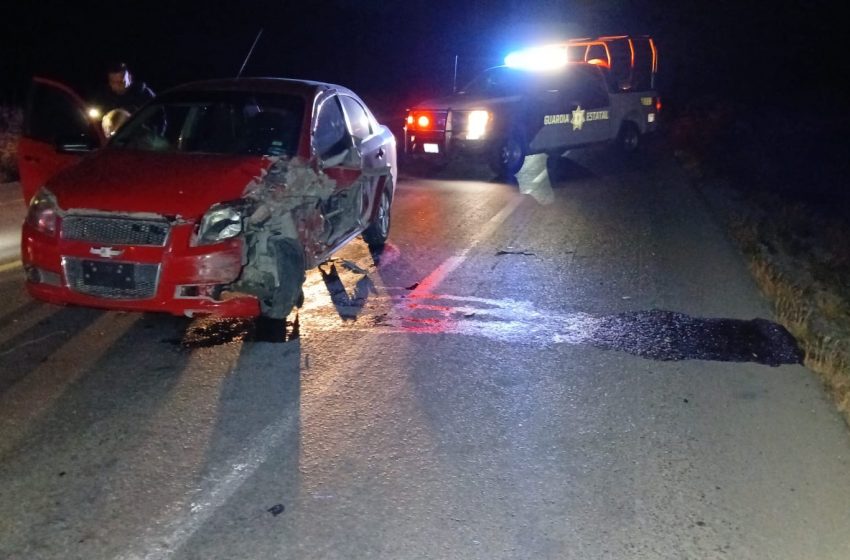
214, 198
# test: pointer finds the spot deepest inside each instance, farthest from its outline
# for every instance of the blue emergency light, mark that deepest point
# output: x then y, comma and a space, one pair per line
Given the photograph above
550, 57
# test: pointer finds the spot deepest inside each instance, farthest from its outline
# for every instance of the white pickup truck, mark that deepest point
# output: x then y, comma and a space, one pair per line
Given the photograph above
543, 100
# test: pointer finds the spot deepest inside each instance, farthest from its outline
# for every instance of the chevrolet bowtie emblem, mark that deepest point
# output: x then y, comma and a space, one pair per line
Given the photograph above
105, 252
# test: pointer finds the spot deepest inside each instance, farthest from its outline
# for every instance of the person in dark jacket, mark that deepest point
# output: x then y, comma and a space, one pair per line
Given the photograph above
123, 92
120, 99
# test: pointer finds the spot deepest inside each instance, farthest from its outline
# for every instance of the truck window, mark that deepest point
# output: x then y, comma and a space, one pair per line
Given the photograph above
586, 87
642, 77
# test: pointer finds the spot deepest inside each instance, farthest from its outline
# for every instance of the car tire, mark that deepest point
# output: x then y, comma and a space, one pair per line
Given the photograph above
290, 260
379, 230
509, 154
628, 139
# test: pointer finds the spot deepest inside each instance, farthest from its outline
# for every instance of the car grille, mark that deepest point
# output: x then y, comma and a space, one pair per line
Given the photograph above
109, 279
115, 230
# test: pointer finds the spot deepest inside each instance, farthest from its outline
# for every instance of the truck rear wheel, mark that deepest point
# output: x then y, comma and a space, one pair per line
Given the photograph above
628, 139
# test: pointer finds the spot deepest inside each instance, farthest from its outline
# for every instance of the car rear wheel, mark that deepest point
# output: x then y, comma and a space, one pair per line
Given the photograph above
509, 155
379, 230
628, 140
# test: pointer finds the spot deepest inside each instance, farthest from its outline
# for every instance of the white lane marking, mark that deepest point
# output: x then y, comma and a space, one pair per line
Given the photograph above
430, 282
177, 532
31, 342
180, 529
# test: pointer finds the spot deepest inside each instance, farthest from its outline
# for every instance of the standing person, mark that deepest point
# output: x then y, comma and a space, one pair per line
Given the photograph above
123, 97
124, 92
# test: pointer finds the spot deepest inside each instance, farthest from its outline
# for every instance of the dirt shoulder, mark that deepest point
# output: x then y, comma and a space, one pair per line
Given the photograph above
776, 180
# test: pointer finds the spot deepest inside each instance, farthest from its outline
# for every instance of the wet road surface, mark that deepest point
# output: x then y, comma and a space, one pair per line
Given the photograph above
575, 367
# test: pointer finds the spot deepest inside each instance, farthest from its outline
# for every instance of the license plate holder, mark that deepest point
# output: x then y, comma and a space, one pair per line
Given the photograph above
109, 274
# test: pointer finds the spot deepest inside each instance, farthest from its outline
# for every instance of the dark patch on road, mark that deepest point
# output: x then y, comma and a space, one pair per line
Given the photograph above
208, 332
349, 306
667, 335
510, 252
276, 509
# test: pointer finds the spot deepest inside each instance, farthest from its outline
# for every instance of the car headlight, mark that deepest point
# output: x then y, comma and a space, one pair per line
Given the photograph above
477, 125
221, 222
43, 212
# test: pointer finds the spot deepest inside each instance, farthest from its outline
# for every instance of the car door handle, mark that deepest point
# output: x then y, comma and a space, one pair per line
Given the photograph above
30, 158
380, 153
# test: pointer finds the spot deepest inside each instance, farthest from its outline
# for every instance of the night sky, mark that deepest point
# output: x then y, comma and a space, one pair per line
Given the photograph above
400, 52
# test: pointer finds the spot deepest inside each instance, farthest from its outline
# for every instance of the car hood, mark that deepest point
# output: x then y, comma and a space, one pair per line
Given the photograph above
168, 184
461, 102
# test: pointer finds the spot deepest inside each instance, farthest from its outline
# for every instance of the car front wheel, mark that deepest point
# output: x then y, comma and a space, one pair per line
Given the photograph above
290, 260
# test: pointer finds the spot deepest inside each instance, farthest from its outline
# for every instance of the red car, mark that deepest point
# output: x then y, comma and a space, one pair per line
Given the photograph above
212, 199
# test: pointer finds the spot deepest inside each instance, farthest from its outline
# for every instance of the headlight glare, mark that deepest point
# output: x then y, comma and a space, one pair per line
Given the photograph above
221, 222
477, 127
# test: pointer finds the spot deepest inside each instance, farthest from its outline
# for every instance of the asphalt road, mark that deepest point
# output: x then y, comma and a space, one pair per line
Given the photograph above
584, 371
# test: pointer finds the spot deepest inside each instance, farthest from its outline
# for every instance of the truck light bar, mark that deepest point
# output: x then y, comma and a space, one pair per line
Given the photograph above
538, 58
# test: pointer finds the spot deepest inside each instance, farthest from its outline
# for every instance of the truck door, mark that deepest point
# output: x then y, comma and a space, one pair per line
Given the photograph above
586, 107
56, 134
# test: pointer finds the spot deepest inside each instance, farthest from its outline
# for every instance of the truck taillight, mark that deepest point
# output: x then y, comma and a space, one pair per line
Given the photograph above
419, 121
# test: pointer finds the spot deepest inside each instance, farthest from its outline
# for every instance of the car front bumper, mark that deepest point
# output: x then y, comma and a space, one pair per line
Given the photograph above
175, 278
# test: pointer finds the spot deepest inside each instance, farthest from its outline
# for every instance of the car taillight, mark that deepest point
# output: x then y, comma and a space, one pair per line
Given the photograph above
423, 121
657, 104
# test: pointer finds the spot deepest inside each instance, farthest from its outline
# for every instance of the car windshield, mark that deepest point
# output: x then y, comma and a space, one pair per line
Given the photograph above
232, 122
502, 80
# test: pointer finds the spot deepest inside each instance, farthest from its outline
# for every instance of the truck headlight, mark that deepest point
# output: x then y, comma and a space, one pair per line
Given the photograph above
221, 222
477, 125
43, 212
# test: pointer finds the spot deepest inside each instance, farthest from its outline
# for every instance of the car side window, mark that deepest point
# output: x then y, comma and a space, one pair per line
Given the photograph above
331, 137
357, 117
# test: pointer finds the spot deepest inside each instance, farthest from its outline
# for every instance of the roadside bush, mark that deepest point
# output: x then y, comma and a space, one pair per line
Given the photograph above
10, 131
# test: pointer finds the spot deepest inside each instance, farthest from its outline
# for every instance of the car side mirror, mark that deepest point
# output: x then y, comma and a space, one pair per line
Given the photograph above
75, 143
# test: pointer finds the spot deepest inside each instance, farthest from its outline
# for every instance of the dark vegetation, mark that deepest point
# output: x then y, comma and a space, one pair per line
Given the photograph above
777, 175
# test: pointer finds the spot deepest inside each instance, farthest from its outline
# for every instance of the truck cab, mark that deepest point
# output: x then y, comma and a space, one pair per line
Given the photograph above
543, 100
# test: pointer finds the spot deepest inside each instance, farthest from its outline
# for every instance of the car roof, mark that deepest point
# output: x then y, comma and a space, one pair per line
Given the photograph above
306, 88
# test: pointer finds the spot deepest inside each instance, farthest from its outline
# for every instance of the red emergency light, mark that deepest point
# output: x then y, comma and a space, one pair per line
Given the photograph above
419, 121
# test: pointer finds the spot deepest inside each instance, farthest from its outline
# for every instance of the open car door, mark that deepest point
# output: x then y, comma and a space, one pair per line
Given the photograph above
56, 134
